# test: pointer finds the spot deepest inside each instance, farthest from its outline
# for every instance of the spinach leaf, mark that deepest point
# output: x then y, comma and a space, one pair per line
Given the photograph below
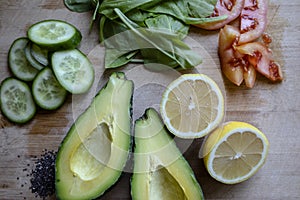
117, 58
107, 6
114, 55
158, 21
168, 22
163, 44
188, 11
94, 15
175, 8
79, 5
109, 28
200, 8
138, 16
152, 57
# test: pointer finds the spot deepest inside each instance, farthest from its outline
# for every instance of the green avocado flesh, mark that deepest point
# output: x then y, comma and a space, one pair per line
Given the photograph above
94, 152
160, 170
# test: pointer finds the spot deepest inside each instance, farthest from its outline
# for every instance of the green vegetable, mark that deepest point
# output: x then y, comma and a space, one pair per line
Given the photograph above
16, 101
39, 54
157, 29
28, 60
160, 170
114, 57
18, 63
94, 14
200, 9
188, 11
47, 91
139, 16
109, 28
157, 46
175, 8
54, 35
169, 24
79, 5
107, 6
73, 70
94, 152
33, 62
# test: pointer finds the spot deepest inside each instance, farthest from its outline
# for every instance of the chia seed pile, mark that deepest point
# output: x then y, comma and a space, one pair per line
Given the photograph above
43, 175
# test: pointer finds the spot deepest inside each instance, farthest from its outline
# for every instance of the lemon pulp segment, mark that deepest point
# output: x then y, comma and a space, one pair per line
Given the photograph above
192, 106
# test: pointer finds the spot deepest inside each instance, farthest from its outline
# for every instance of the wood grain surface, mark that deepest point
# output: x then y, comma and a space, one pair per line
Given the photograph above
273, 108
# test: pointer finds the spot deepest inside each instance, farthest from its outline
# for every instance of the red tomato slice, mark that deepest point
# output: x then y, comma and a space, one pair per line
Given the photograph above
231, 63
231, 8
253, 20
240, 62
262, 60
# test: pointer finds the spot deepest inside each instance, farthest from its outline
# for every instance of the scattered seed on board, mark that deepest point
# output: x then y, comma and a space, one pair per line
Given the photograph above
43, 175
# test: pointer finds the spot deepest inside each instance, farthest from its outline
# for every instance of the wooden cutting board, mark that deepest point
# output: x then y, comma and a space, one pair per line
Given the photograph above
273, 108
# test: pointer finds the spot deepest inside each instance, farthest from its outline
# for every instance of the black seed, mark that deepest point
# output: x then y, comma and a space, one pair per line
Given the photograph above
43, 175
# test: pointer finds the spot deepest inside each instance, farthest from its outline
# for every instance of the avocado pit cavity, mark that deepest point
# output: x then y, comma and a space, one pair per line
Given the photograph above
92, 154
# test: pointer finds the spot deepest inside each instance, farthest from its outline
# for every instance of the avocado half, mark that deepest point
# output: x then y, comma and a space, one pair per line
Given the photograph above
95, 150
160, 170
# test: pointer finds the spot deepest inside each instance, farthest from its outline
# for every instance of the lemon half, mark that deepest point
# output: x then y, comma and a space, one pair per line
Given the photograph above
234, 152
192, 106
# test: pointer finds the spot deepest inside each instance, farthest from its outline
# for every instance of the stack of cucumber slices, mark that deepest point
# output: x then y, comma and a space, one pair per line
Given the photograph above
46, 65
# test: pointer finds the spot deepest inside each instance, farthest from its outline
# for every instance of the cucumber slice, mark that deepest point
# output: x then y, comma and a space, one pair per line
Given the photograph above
73, 70
47, 91
18, 64
54, 35
16, 100
34, 63
39, 54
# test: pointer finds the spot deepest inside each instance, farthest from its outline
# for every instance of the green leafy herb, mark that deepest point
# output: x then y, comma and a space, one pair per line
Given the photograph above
188, 11
153, 30
79, 5
156, 45
168, 23
94, 15
107, 6
200, 9
114, 55
116, 58
109, 28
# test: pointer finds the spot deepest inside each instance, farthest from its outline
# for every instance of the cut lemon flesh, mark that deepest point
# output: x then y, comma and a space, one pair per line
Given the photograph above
192, 106
234, 152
